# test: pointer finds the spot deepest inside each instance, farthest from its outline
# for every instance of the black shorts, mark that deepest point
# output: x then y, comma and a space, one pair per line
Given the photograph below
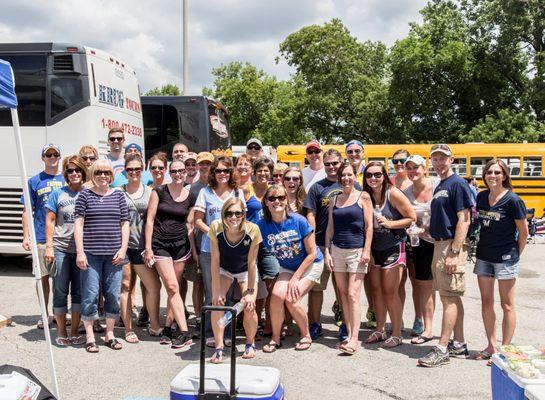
179, 250
422, 257
390, 257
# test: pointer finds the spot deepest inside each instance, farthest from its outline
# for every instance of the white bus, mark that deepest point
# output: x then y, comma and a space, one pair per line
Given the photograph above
70, 95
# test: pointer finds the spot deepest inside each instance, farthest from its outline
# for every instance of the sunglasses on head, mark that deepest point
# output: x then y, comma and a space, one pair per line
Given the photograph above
116, 139
231, 214
332, 163
156, 167
100, 172
72, 170
354, 151
222, 171
253, 147
314, 151
88, 158
272, 199
137, 169
292, 178
376, 175
177, 171
50, 155
492, 172
396, 161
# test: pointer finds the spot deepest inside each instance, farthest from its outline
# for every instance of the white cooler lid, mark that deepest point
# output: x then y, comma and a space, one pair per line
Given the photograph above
250, 379
535, 392
522, 382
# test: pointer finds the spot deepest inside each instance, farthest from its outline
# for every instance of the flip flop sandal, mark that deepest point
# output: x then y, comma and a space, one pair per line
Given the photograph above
217, 358
376, 337
340, 344
482, 355
391, 342
62, 341
113, 344
249, 351
421, 339
40, 324
91, 347
130, 337
272, 346
78, 340
348, 350
303, 344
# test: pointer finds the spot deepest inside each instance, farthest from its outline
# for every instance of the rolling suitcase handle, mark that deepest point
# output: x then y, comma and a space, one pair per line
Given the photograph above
202, 395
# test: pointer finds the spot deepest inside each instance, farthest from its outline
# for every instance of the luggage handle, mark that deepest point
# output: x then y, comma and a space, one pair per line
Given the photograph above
202, 395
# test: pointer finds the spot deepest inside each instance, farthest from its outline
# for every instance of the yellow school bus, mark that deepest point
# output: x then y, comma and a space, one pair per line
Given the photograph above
525, 162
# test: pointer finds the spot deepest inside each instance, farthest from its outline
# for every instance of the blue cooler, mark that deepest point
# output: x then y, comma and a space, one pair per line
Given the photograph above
225, 382
535, 392
506, 384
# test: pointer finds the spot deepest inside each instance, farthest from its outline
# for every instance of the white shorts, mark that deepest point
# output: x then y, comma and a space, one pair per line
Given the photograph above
313, 273
240, 277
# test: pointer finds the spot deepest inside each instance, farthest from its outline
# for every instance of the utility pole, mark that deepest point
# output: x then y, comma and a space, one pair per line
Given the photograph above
185, 51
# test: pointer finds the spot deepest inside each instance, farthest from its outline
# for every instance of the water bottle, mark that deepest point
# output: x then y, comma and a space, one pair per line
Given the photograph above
376, 213
426, 219
415, 240
228, 316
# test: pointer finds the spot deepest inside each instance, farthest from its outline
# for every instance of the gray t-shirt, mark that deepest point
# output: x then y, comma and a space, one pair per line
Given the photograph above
421, 208
137, 215
63, 203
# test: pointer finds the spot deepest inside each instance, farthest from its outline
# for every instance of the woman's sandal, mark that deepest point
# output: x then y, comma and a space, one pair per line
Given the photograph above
392, 341
91, 347
482, 356
217, 358
376, 337
271, 347
155, 333
130, 337
421, 339
113, 344
62, 341
303, 344
249, 351
77, 340
348, 349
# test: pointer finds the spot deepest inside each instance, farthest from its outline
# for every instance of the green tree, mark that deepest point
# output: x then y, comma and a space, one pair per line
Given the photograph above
165, 90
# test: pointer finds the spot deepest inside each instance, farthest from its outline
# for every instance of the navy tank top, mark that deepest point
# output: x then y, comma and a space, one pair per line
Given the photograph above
348, 226
384, 238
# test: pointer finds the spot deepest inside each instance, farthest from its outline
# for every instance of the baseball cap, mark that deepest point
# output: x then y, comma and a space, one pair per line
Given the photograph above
133, 146
354, 141
416, 159
441, 148
254, 141
313, 143
50, 146
189, 156
205, 156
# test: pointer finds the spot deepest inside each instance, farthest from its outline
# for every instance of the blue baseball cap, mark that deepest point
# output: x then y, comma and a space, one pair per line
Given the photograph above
354, 141
133, 146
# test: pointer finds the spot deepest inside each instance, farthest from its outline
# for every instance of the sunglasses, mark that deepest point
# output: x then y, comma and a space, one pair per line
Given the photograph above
396, 161
137, 169
332, 164
278, 175
355, 151
100, 172
116, 139
222, 171
272, 199
50, 155
490, 172
155, 168
316, 151
231, 214
253, 147
72, 170
376, 175
177, 171
292, 178
92, 158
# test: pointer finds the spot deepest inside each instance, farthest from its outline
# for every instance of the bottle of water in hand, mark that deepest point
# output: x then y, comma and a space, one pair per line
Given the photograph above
377, 213
413, 234
228, 316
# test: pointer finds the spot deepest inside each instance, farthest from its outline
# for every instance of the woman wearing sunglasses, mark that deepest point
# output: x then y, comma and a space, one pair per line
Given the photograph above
137, 195
158, 164
234, 243
222, 185
290, 238
295, 189
504, 230
348, 249
393, 213
88, 155
61, 249
101, 233
278, 172
169, 244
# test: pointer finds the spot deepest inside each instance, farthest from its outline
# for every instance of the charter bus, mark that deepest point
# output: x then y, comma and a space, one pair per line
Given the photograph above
70, 95
197, 121
525, 162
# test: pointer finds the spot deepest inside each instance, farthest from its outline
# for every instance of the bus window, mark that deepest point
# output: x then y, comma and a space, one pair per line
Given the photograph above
65, 93
477, 165
513, 163
532, 166
152, 128
459, 166
193, 122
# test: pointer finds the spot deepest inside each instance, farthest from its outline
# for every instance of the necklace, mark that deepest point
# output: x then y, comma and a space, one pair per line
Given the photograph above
275, 224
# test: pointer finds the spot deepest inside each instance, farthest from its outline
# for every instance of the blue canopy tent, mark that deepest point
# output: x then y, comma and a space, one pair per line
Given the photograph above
8, 99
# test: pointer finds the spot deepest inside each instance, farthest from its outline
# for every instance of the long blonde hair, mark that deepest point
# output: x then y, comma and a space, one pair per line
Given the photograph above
301, 194
231, 202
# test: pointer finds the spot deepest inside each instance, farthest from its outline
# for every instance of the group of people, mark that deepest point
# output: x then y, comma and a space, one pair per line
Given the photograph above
281, 233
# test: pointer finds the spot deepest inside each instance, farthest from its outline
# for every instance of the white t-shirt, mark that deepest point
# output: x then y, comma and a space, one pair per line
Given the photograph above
118, 164
310, 176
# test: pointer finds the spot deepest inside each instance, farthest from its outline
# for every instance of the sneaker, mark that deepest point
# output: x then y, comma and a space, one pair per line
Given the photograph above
343, 333
143, 318
434, 358
166, 338
371, 319
197, 330
418, 327
460, 352
182, 340
315, 330
174, 327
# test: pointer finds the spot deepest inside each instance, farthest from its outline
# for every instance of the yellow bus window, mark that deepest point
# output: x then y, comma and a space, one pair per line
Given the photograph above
459, 166
513, 163
532, 166
477, 165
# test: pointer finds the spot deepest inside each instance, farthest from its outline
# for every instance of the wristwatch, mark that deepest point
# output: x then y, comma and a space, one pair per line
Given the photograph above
455, 252
250, 290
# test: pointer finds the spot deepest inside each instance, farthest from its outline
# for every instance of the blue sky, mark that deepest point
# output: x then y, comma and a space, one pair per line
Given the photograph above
148, 34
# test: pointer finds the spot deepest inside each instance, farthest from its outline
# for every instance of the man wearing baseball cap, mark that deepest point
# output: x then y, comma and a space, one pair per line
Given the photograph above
40, 187
254, 149
190, 161
449, 223
315, 171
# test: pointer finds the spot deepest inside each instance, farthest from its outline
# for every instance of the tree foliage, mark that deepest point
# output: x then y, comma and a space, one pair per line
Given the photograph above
166, 90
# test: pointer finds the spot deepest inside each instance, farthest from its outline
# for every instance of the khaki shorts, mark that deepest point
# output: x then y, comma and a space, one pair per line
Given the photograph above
347, 260
45, 267
313, 273
448, 284
321, 285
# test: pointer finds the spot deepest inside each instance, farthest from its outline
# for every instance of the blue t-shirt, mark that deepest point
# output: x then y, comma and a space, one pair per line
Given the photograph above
317, 201
498, 236
40, 187
285, 240
255, 209
120, 179
450, 196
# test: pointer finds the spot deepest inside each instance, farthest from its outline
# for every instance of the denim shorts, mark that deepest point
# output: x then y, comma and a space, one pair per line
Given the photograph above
267, 264
504, 270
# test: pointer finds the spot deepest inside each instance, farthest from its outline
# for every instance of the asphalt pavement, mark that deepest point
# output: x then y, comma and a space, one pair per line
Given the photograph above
144, 370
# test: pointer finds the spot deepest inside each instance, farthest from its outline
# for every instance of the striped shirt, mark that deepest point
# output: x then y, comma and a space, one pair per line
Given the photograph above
102, 220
